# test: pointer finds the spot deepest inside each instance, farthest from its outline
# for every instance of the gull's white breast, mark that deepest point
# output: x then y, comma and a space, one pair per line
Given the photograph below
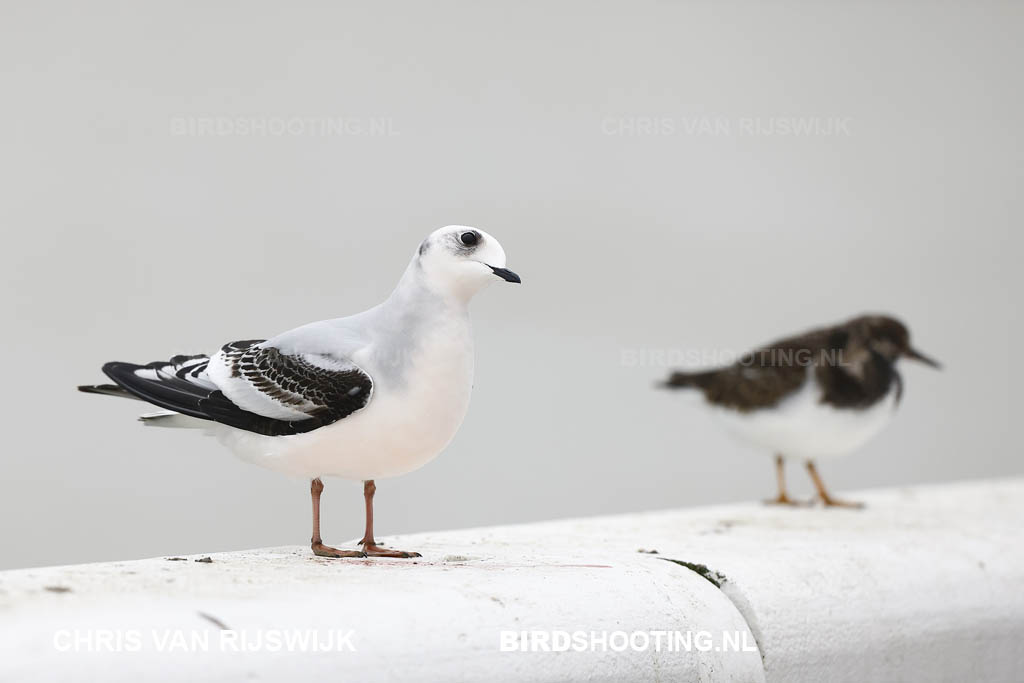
801, 426
412, 415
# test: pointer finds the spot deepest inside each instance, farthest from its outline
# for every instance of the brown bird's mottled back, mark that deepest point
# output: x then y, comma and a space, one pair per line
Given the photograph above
854, 363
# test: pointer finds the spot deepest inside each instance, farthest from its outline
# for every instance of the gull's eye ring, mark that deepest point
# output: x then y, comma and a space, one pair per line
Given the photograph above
470, 238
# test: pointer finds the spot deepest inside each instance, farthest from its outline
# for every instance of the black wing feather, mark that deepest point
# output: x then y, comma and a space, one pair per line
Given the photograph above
334, 394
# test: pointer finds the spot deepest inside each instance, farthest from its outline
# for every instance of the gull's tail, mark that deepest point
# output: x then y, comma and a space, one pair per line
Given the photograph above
106, 390
158, 418
177, 386
169, 418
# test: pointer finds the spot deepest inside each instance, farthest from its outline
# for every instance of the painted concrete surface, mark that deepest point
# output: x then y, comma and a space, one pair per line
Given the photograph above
926, 583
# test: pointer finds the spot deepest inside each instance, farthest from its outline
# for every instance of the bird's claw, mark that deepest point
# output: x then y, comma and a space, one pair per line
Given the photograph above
321, 550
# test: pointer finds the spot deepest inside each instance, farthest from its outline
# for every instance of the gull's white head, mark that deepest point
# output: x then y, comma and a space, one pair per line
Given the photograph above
462, 260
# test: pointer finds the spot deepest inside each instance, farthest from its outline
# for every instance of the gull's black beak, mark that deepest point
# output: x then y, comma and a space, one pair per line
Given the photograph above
918, 356
505, 274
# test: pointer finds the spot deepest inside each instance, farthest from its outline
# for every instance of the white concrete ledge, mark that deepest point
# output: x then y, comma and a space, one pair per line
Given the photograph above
925, 584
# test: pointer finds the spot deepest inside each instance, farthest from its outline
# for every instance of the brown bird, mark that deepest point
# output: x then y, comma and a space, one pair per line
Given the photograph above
820, 394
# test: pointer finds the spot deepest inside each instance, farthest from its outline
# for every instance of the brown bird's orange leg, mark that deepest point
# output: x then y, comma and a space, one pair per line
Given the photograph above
369, 545
780, 475
828, 500
316, 487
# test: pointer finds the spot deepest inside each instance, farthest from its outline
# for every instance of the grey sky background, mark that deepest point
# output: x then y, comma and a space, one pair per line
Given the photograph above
672, 181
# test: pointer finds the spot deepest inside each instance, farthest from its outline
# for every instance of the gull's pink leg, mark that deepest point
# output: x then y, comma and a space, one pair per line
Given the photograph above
369, 545
316, 487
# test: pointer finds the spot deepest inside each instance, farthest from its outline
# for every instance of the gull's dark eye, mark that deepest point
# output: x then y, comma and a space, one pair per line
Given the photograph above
470, 238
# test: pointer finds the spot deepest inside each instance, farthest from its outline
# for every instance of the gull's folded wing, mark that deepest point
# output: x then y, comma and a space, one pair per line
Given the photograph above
251, 386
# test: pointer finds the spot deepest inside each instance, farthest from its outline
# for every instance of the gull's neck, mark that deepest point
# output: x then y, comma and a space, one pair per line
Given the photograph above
418, 290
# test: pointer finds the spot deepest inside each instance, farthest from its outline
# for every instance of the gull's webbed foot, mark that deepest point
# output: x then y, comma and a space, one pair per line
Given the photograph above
374, 550
321, 550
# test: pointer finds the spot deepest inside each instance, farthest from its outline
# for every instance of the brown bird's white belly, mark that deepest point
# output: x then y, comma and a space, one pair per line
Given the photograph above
801, 426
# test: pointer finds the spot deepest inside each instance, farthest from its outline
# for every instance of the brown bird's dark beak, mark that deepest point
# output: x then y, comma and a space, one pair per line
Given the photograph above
918, 356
